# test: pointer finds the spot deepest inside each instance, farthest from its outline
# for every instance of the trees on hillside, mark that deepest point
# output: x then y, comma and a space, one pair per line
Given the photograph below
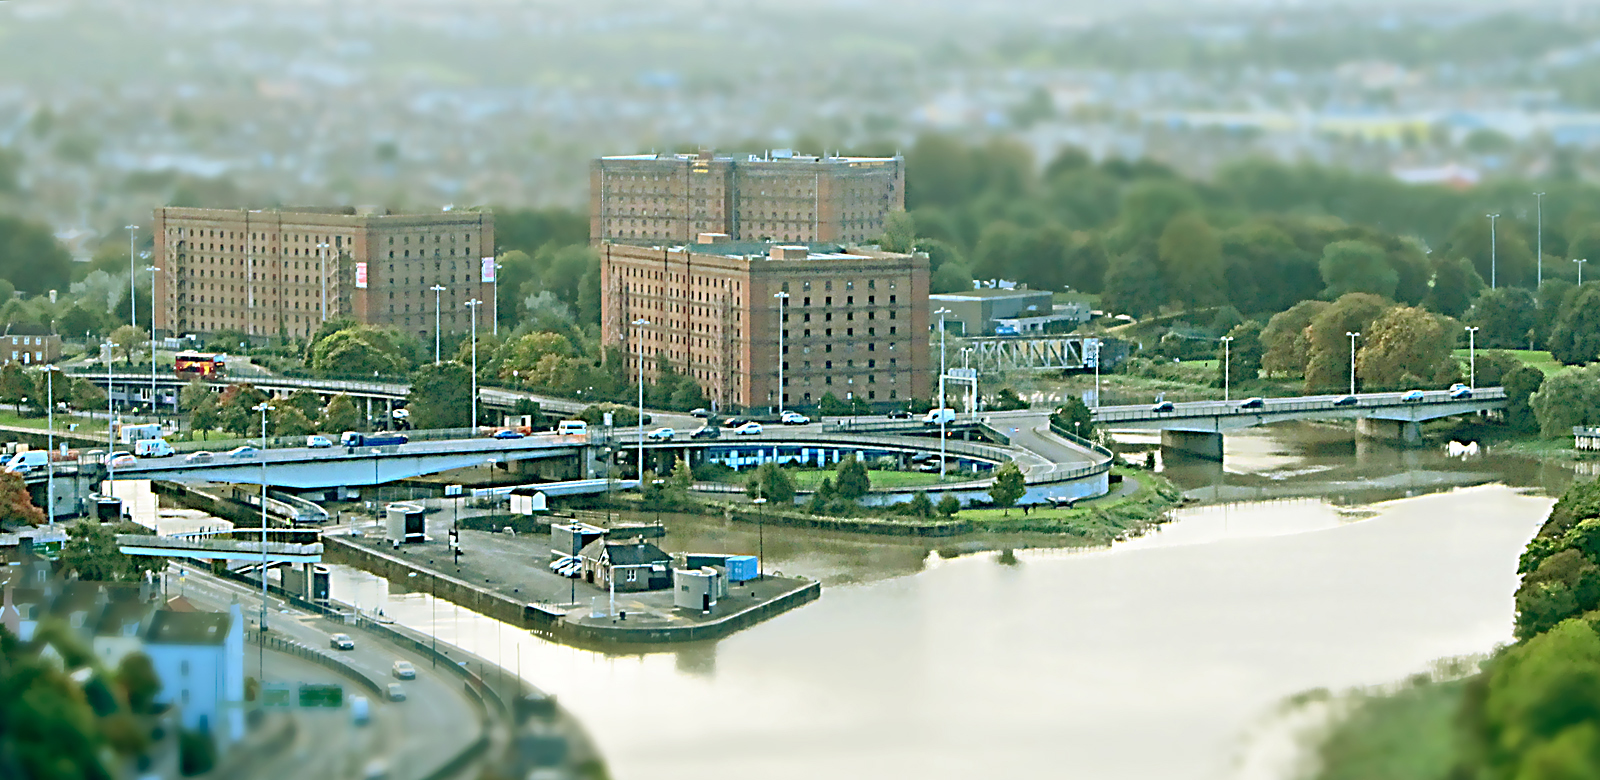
1575, 334
1520, 384
1357, 266
1286, 341
1507, 318
1328, 365
1244, 353
1566, 399
1406, 347
441, 396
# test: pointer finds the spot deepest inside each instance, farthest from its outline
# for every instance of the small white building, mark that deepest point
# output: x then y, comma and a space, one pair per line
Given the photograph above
199, 657
698, 589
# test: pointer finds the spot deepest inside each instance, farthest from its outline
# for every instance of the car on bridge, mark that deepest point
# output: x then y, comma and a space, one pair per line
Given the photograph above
1252, 403
119, 459
200, 457
245, 451
899, 414
318, 442
507, 433
1347, 400
734, 422
706, 432
341, 642
1162, 406
404, 670
795, 418
1459, 391
1411, 396
661, 434
702, 413
748, 429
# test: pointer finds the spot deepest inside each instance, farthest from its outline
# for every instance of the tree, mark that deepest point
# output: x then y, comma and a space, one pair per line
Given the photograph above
236, 409
772, 483
682, 477
1006, 400
16, 505
1191, 261
306, 401
85, 395
364, 350
1008, 486
1244, 352
523, 358
821, 498
919, 505
139, 681
127, 339
14, 385
1135, 284
1575, 336
1286, 341
851, 480
1357, 266
949, 505
340, 415
1074, 417
1329, 366
91, 552
204, 416
47, 730
441, 396
1455, 283
1520, 384
193, 394
1406, 347
1567, 399
1507, 318
288, 420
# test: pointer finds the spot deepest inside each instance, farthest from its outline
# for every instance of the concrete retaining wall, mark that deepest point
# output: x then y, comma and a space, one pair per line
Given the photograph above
716, 629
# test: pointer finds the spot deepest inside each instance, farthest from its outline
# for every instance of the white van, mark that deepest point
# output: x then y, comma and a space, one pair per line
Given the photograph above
937, 416
25, 462
153, 448
572, 427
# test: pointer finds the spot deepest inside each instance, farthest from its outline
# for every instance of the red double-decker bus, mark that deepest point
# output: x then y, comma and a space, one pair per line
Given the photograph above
201, 364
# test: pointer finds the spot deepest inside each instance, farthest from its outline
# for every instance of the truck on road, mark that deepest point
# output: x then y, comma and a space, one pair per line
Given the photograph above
357, 439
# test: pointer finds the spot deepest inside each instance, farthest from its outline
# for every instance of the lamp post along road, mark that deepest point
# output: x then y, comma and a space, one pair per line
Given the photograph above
1353, 336
1580, 261
263, 408
133, 313
782, 298
436, 290
1472, 357
1538, 199
474, 303
1492, 263
639, 325
1226, 342
941, 312
111, 434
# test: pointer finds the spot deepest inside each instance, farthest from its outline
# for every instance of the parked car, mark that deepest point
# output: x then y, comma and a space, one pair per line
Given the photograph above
1347, 400
748, 429
661, 434
245, 451
701, 413
1162, 406
396, 692
508, 434
1411, 396
706, 432
200, 457
404, 670
560, 563
795, 418
1459, 391
1252, 403
900, 414
318, 442
341, 642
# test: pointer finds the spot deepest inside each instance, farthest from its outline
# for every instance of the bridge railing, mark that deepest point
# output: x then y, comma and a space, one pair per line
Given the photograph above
1290, 405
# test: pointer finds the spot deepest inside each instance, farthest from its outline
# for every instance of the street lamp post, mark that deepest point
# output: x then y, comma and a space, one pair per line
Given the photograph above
263, 408
1353, 336
1227, 341
1580, 261
322, 249
1538, 199
152, 269
50, 435
133, 314
1472, 356
640, 324
761, 539
782, 297
111, 435
941, 312
1492, 264
436, 290
474, 304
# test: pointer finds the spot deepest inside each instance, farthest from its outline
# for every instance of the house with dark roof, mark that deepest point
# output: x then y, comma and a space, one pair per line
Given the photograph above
199, 657
628, 565
117, 632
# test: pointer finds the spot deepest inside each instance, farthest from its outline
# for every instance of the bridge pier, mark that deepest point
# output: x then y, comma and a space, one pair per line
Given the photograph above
1405, 432
1199, 444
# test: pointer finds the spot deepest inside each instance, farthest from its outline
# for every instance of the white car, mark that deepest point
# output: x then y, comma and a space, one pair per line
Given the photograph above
748, 429
661, 434
795, 418
560, 563
318, 442
404, 670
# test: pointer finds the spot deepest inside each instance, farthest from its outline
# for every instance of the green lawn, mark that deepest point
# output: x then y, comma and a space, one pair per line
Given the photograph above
85, 424
1537, 358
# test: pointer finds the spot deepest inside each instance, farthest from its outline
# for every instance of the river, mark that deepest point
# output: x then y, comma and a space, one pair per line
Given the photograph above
1320, 563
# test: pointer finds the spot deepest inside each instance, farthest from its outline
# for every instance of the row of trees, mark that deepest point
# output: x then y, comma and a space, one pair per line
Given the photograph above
30, 389
234, 410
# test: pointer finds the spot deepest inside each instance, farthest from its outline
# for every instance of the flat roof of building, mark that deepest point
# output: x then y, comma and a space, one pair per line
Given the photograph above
986, 292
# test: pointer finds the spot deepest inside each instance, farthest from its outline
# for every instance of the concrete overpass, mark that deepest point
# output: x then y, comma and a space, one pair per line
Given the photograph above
1197, 427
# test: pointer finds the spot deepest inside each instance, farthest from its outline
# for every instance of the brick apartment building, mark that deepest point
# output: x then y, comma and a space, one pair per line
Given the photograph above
653, 198
855, 322
284, 271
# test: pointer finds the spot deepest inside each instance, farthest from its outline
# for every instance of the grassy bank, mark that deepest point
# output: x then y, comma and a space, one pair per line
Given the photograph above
1410, 733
